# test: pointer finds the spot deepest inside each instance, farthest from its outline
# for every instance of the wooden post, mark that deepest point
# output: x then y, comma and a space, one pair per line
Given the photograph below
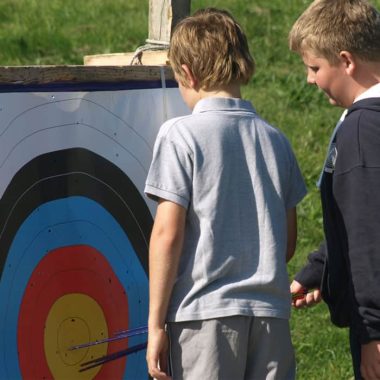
163, 16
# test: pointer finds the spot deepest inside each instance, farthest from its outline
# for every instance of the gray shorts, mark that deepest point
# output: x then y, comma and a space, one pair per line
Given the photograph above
232, 348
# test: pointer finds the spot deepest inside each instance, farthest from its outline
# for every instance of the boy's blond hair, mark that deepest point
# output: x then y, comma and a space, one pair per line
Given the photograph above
214, 47
328, 27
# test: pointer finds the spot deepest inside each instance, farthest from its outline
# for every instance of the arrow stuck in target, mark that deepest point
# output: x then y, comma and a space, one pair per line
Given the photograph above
117, 336
116, 355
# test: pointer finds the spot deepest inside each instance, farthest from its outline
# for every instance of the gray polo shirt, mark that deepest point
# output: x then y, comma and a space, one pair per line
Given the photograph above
236, 176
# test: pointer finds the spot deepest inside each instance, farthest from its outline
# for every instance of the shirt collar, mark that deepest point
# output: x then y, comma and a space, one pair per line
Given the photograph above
372, 92
223, 104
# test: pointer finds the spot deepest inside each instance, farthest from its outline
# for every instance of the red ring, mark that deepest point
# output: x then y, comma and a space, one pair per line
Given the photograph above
71, 269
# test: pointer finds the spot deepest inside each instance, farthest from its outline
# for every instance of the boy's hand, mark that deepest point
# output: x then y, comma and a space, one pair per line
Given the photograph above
157, 354
302, 297
370, 363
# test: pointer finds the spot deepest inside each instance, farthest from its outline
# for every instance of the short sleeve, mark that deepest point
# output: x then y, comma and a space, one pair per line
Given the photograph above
170, 173
296, 189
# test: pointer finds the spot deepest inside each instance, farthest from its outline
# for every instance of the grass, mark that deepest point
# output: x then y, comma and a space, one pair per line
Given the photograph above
56, 32
63, 31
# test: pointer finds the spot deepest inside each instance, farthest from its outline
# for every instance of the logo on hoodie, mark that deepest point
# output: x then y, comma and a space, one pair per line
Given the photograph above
331, 158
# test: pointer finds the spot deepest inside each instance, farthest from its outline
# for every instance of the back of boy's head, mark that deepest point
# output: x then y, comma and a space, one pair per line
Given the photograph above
328, 27
214, 47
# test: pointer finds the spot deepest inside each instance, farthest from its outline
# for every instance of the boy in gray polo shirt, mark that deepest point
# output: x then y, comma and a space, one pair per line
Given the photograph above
227, 185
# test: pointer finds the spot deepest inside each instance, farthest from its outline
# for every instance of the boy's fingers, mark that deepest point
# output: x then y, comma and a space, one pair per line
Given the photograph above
313, 297
296, 287
164, 362
158, 375
303, 299
157, 366
156, 372
317, 295
152, 362
152, 366
298, 303
298, 294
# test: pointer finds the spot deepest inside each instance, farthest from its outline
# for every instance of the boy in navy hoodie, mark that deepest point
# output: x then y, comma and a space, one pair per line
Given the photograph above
339, 42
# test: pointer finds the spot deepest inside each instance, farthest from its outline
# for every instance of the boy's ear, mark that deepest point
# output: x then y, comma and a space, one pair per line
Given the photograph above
189, 76
348, 61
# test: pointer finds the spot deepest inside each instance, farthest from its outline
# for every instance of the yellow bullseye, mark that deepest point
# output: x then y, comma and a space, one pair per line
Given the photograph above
74, 319
70, 332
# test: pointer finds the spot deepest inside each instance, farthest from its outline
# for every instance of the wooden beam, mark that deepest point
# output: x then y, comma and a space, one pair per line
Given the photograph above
164, 16
27, 75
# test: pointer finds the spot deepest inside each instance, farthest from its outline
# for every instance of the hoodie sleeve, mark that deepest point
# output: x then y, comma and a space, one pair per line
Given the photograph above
310, 276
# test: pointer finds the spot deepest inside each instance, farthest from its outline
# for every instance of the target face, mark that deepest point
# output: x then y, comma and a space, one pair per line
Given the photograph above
74, 228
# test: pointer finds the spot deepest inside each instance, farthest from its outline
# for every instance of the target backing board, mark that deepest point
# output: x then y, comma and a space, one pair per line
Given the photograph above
75, 226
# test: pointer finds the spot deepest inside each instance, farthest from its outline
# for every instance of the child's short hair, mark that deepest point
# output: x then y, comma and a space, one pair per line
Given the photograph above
328, 27
213, 45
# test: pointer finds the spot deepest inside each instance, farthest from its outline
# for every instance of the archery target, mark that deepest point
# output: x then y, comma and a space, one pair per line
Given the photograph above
74, 228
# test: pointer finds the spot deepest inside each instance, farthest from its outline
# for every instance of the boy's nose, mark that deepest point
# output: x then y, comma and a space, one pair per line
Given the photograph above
310, 78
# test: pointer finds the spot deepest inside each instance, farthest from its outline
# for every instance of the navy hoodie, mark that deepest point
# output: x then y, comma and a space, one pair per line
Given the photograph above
347, 264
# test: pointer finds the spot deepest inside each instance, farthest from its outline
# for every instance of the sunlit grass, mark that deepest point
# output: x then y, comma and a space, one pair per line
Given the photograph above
63, 31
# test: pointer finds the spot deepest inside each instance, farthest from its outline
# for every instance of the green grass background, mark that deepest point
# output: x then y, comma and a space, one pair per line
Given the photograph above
36, 32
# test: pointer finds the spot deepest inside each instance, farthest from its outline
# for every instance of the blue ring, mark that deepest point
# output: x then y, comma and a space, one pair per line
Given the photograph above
62, 223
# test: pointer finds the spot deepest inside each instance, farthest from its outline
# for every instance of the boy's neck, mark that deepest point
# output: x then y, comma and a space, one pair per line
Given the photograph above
226, 91
367, 75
